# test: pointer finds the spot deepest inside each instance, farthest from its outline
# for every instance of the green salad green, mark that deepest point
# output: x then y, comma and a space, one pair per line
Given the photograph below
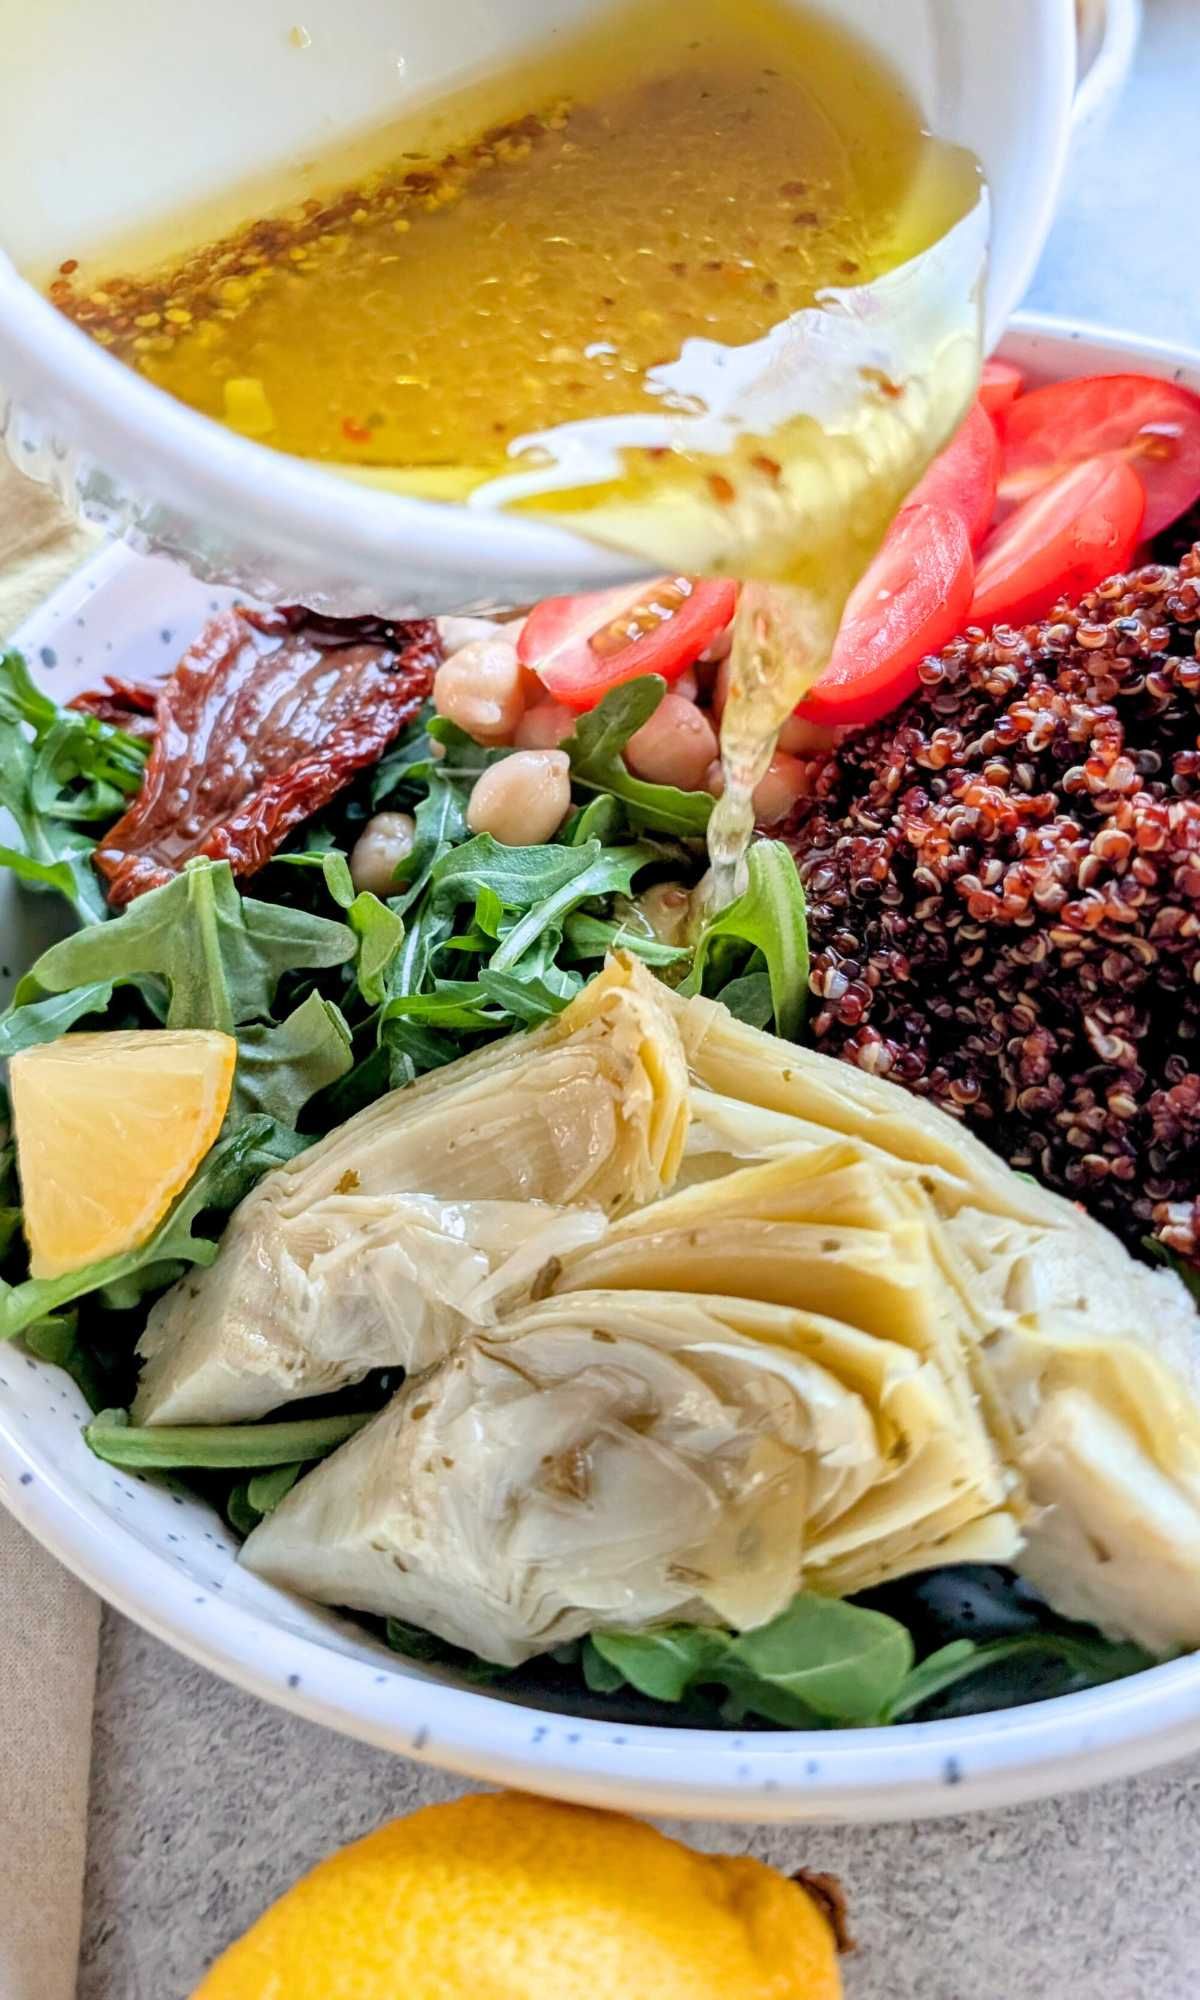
336, 996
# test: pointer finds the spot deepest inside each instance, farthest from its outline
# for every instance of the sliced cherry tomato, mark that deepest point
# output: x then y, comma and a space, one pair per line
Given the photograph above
1156, 425
1081, 528
911, 601
964, 475
582, 646
999, 386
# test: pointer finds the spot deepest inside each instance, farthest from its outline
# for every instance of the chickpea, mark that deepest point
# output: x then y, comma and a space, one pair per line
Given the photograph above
784, 781
675, 747
544, 726
479, 688
385, 841
805, 739
523, 799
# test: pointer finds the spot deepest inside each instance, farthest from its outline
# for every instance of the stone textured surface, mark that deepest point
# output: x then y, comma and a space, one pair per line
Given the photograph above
205, 1803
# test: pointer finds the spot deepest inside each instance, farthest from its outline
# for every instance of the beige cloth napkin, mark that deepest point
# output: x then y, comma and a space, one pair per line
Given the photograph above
48, 1622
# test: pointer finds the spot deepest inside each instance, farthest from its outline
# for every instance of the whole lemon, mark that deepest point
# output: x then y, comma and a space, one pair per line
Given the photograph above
503, 1897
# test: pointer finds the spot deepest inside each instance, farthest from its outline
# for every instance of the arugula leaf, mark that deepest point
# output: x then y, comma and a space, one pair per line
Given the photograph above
411, 1048
440, 819
20, 699
841, 1661
454, 1003
518, 876
463, 757
527, 1000
267, 1489
57, 875
59, 772
41, 1021
220, 954
410, 751
489, 914
412, 966
82, 746
417, 1644
1078, 1661
600, 1676
216, 1447
597, 765
606, 871
280, 1068
749, 999
241, 1516
56, 1339
56, 854
335, 868
665, 1664
770, 915
229, 1171
380, 932
595, 937
602, 819
820, 1659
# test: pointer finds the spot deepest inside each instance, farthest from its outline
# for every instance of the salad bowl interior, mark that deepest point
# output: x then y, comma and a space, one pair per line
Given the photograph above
162, 1556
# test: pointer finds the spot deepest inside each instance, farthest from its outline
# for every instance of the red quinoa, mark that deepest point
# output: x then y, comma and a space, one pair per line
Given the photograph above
1004, 897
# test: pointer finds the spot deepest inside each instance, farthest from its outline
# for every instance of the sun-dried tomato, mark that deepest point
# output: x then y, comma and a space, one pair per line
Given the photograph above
265, 718
128, 705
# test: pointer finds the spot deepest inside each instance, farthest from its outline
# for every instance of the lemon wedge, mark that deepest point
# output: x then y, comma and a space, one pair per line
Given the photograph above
109, 1129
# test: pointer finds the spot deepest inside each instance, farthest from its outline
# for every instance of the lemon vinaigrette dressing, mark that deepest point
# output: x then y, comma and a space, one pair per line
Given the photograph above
695, 284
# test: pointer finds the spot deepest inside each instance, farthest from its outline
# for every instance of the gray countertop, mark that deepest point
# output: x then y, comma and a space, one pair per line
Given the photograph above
205, 1803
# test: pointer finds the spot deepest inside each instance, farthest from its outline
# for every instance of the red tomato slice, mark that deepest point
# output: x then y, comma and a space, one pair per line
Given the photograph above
964, 475
1156, 425
911, 601
999, 386
583, 646
1065, 540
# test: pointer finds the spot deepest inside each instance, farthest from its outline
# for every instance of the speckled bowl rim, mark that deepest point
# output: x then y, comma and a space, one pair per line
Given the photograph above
869, 1775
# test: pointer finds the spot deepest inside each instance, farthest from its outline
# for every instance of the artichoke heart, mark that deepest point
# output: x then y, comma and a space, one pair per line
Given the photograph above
625, 1457
428, 1212
1082, 1364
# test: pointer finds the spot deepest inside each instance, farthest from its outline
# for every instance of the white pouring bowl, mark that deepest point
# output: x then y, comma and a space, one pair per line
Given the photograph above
167, 1561
151, 108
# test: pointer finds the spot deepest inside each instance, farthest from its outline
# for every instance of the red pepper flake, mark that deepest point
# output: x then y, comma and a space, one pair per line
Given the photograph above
69, 265
722, 489
878, 379
355, 433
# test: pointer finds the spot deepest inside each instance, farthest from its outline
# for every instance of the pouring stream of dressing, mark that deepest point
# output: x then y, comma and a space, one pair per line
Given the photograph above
892, 368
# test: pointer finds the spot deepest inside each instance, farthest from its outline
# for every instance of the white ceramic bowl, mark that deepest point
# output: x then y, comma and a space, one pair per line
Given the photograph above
1108, 36
147, 108
167, 1561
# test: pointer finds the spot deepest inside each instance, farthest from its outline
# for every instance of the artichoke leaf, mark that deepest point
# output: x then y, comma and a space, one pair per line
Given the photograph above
619, 1459
327, 1273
